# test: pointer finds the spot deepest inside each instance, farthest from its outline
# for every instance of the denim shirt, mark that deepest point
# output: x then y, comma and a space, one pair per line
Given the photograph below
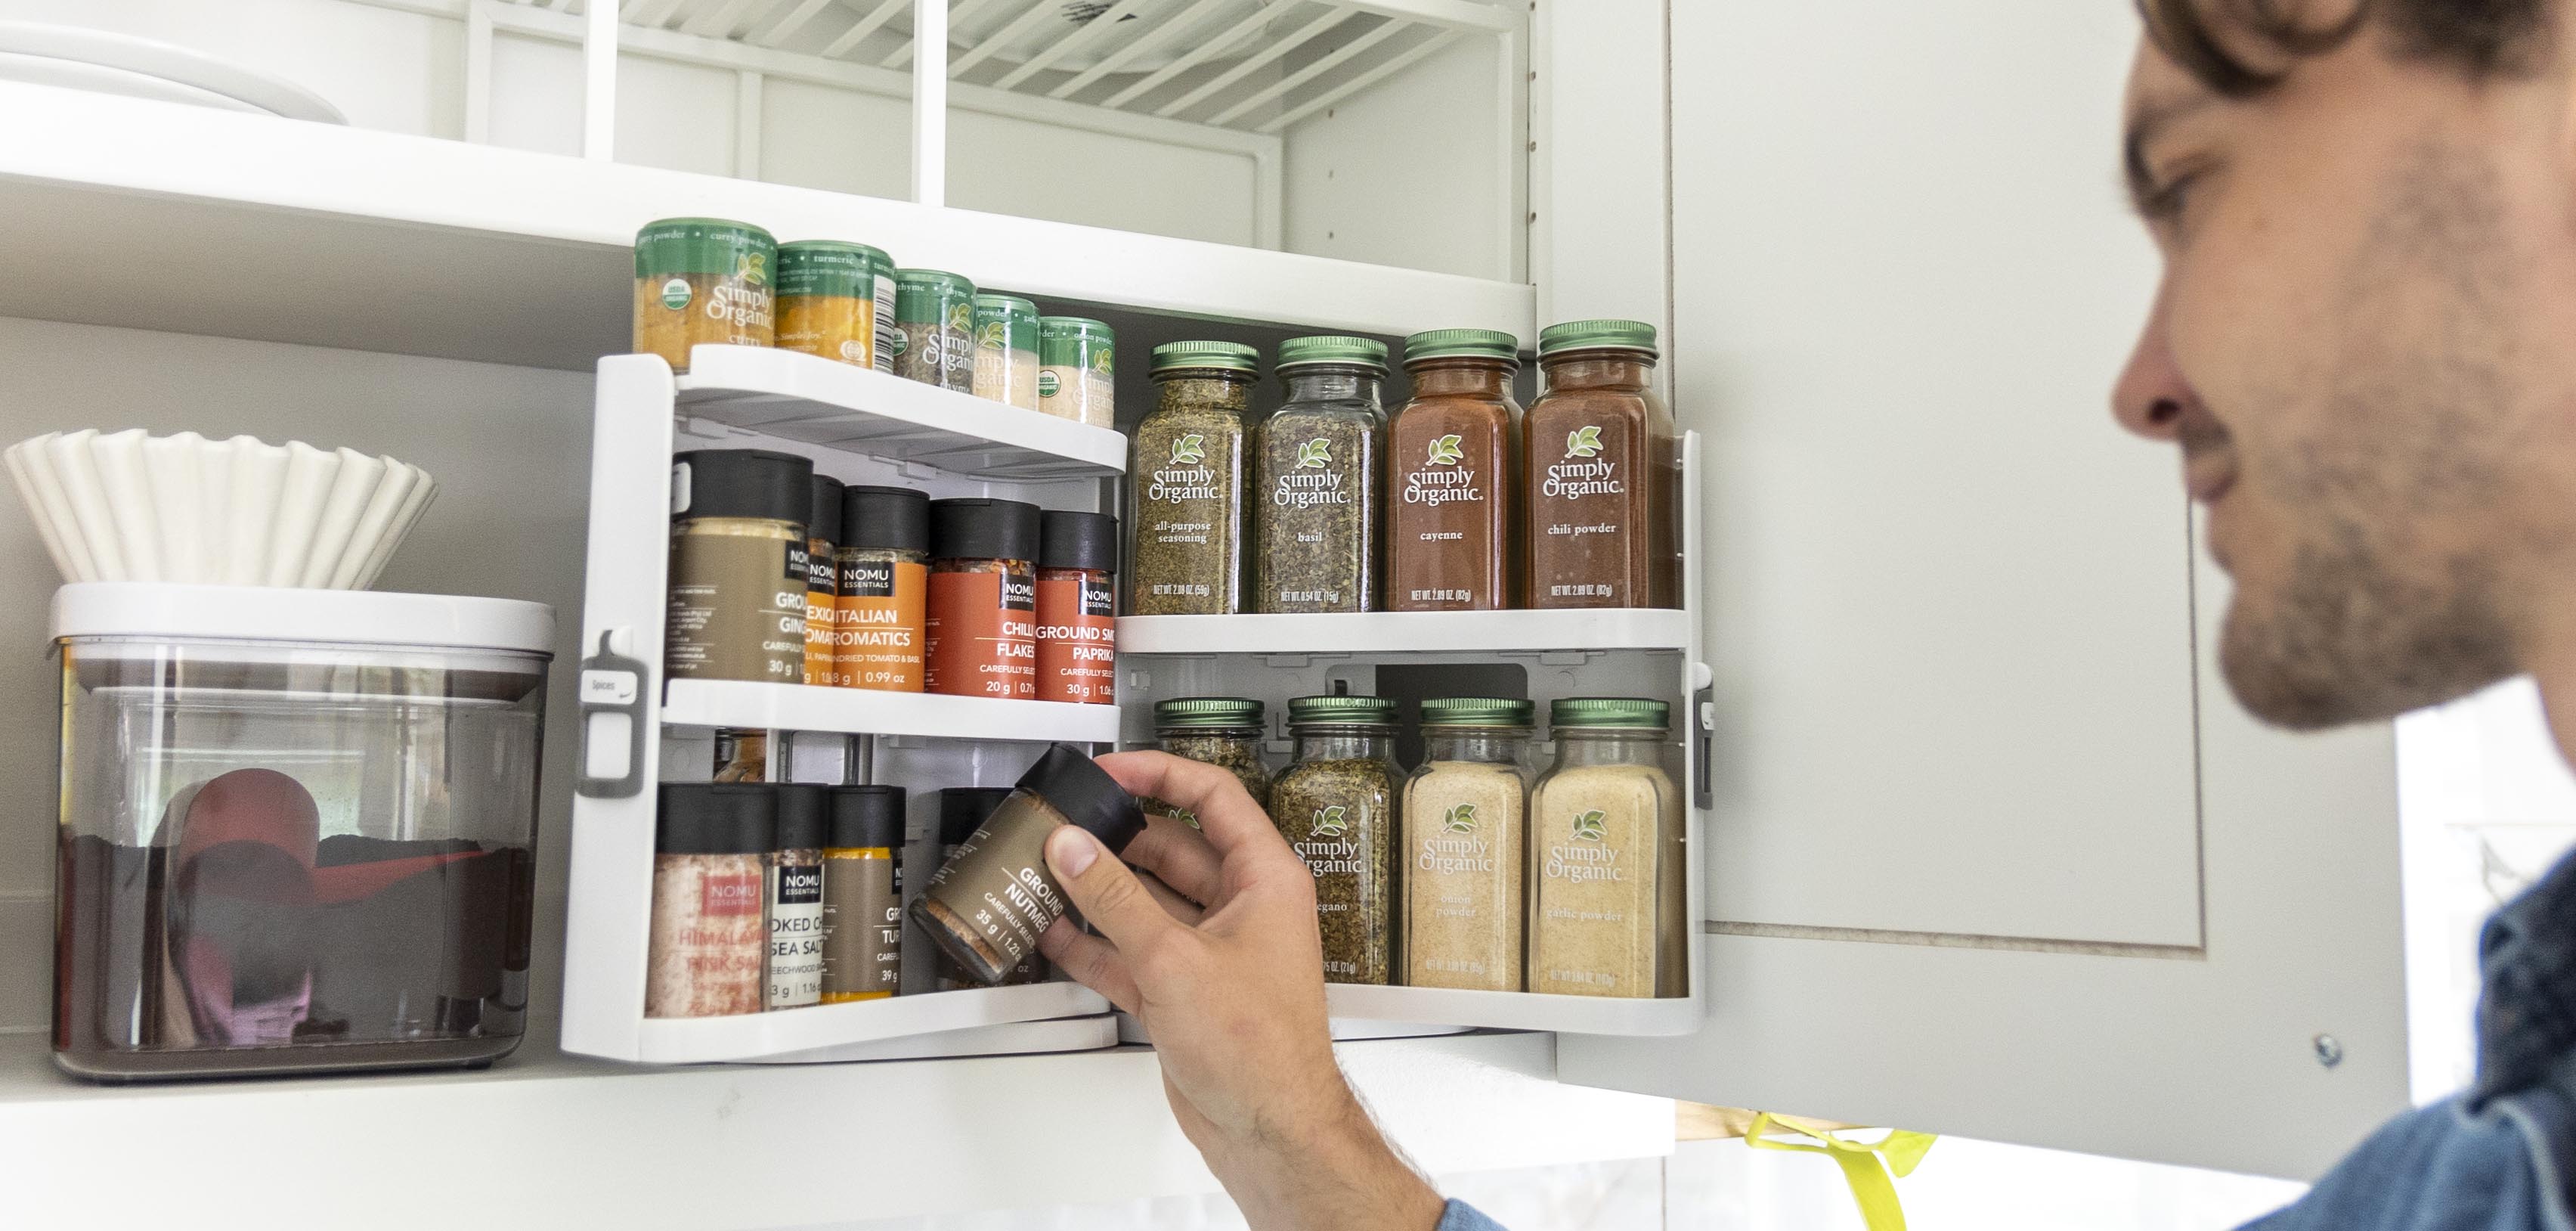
2498, 1157
1460, 1216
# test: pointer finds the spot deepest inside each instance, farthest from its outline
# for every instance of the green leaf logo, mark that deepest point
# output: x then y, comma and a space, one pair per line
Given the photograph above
1100, 361
1315, 454
753, 269
1588, 826
1445, 451
1331, 822
1189, 450
1583, 442
961, 316
990, 336
1461, 819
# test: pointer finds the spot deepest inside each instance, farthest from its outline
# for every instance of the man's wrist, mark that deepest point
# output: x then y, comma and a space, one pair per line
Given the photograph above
1329, 1167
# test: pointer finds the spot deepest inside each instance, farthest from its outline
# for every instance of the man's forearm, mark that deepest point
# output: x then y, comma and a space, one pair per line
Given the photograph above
1331, 1171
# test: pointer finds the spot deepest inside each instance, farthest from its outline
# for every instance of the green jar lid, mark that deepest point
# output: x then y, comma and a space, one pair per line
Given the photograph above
1006, 322
704, 246
1222, 356
933, 297
1199, 713
1477, 712
1075, 342
831, 267
1456, 343
1340, 711
1627, 713
1332, 348
1592, 335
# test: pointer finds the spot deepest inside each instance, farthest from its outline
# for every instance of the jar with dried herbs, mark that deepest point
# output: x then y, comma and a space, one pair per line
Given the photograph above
1464, 831
1452, 525
1315, 479
1221, 731
836, 300
1603, 473
1336, 805
1006, 350
1607, 857
1186, 483
1075, 377
934, 340
701, 281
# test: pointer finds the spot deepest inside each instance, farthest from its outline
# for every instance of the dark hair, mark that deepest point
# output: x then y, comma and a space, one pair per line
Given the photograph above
2479, 38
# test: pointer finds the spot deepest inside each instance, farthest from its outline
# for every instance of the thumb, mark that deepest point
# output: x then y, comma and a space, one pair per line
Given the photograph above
1109, 896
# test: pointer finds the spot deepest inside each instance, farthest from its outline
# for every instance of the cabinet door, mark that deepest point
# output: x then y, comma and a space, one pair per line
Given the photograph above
1993, 851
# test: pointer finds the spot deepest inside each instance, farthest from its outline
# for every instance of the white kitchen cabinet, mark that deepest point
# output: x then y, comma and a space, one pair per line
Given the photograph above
1990, 850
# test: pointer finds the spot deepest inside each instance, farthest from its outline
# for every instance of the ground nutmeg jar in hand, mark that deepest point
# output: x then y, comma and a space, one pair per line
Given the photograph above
989, 903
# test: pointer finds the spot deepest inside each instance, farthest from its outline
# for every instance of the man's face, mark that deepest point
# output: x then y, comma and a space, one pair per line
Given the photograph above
2362, 345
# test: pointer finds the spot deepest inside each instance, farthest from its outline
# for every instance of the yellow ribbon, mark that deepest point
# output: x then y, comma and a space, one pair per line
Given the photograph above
1871, 1188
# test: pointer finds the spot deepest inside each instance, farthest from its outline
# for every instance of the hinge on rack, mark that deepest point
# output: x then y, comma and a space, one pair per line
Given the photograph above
1703, 722
614, 688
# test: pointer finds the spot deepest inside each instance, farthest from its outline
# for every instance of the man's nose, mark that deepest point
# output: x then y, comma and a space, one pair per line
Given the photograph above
2152, 394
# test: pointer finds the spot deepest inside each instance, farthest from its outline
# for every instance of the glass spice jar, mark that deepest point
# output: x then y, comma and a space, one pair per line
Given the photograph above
1077, 607
1602, 474
1315, 479
1452, 528
934, 343
983, 599
836, 300
884, 587
795, 892
1186, 483
962, 811
1075, 377
823, 583
988, 904
701, 281
1336, 805
1006, 350
738, 565
1606, 853
1220, 731
863, 895
707, 950
1465, 826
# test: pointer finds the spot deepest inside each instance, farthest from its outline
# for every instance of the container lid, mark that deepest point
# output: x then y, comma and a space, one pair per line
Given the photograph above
865, 816
831, 267
741, 483
1222, 356
1596, 335
1198, 713
1006, 322
884, 519
1078, 540
981, 529
823, 514
1086, 795
962, 810
1331, 348
276, 613
1310, 711
933, 297
703, 246
804, 815
1628, 713
1477, 712
1453, 343
714, 818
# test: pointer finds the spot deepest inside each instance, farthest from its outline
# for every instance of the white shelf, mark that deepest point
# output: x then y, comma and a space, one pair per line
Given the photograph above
193, 220
984, 1020
548, 1140
1395, 632
865, 711
1512, 1010
820, 401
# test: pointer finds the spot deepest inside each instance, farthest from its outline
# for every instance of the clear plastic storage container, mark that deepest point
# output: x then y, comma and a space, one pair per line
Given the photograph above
296, 828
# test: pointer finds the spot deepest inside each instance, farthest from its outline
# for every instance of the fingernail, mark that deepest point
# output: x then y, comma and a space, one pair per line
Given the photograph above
1071, 850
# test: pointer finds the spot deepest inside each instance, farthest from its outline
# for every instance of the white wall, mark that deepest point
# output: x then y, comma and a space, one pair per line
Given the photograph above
1416, 171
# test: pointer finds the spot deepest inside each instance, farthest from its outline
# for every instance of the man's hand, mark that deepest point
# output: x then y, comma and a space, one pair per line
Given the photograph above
1217, 953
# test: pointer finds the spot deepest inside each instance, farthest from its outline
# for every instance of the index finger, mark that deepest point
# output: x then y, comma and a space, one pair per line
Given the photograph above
1227, 813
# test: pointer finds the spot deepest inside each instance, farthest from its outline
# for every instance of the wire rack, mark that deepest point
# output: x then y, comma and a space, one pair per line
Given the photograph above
1248, 65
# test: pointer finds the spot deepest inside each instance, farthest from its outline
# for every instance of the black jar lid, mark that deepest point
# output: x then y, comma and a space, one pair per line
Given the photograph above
1078, 540
962, 810
824, 520
884, 519
979, 529
1086, 795
741, 483
804, 815
714, 818
865, 816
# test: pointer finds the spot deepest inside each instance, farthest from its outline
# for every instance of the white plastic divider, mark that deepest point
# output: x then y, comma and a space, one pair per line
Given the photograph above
930, 1024
862, 711
822, 401
1511, 1010
1400, 632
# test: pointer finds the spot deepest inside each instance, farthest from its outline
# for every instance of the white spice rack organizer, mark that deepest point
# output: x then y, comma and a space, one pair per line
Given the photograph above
859, 426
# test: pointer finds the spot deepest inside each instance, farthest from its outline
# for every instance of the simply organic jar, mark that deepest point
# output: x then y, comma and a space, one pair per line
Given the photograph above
1602, 474
1452, 501
700, 281
836, 300
1606, 856
1185, 483
1315, 479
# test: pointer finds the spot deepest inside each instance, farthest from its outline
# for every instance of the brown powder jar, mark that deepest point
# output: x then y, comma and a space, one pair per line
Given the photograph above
1603, 473
962, 811
990, 902
1452, 505
983, 598
1078, 608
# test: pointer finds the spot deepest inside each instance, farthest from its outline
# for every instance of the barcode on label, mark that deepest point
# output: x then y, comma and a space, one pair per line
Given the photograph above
884, 352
